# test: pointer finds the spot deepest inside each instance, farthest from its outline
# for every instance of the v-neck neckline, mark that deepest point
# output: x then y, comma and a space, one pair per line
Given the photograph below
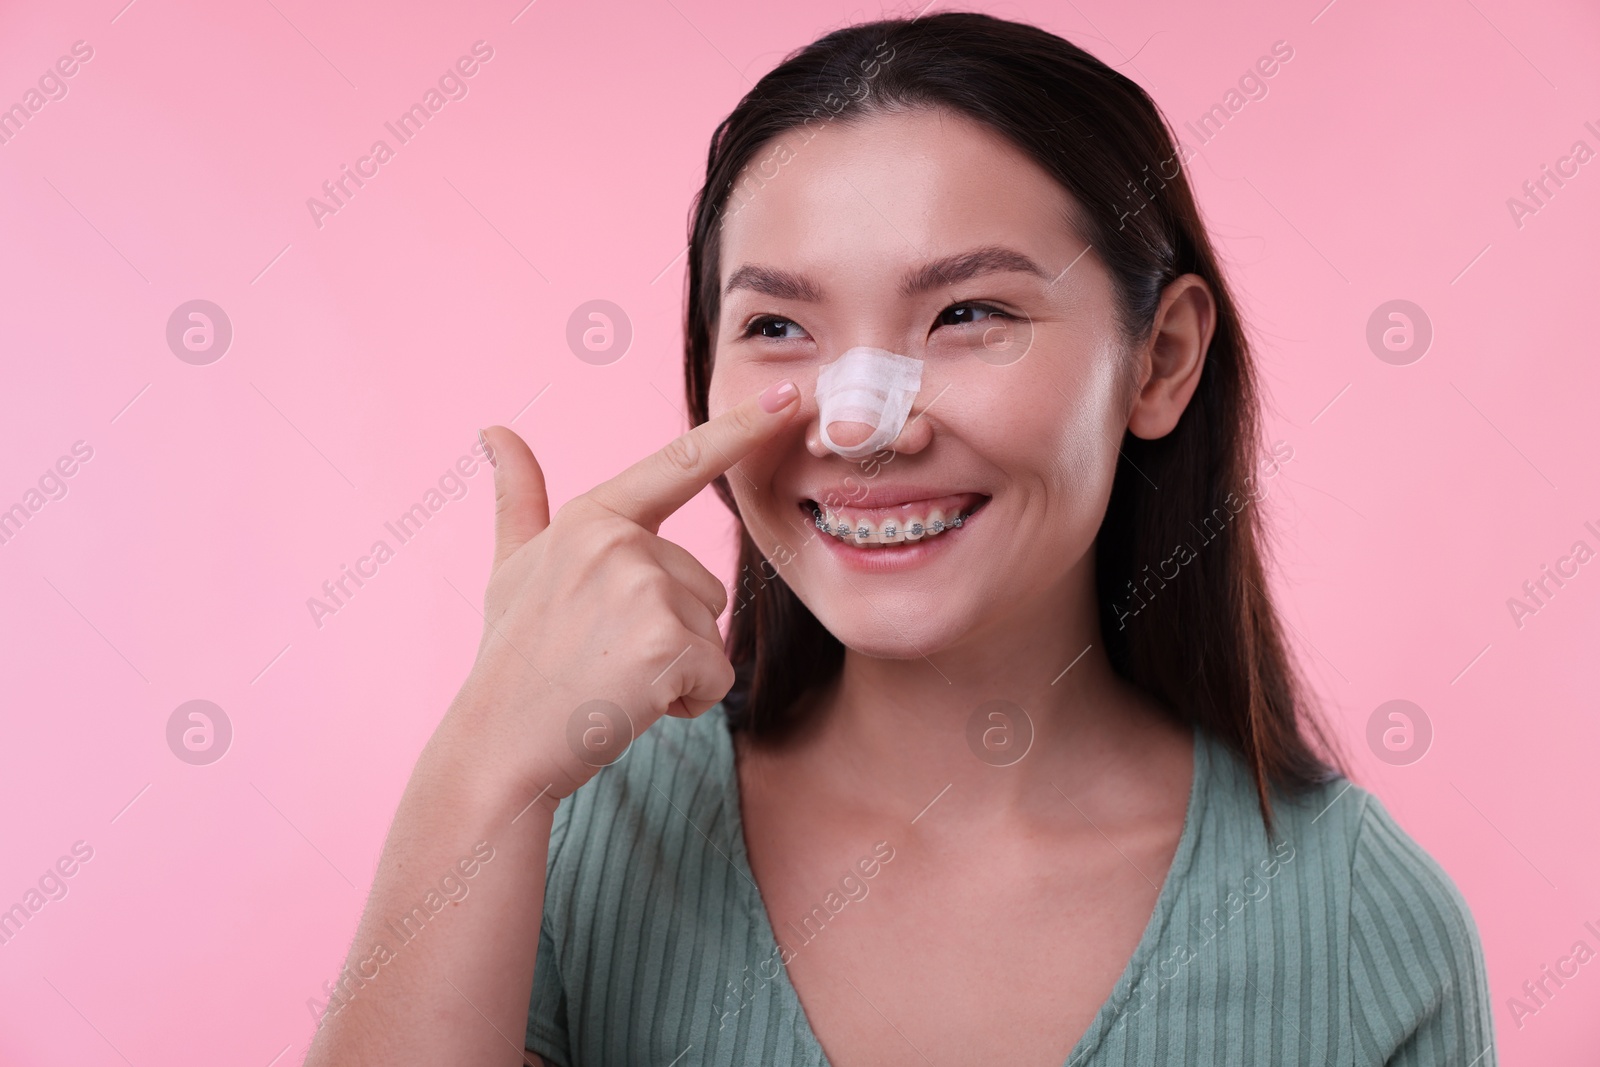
1104, 1018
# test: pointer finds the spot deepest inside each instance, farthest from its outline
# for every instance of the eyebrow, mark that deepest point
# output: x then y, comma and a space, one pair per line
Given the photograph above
990, 259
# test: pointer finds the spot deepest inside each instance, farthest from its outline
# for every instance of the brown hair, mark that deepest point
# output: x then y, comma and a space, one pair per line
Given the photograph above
1210, 645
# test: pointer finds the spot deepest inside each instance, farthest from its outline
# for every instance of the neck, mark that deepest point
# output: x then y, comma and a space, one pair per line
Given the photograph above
1022, 706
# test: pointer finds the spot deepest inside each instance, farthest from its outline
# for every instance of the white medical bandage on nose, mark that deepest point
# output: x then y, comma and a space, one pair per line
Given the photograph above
870, 386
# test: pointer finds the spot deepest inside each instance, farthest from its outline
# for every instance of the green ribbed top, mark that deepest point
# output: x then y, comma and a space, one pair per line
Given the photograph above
1342, 942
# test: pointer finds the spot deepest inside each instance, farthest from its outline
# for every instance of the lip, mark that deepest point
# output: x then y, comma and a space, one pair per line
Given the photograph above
904, 555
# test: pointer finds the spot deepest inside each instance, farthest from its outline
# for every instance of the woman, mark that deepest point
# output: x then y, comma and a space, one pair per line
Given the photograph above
1037, 785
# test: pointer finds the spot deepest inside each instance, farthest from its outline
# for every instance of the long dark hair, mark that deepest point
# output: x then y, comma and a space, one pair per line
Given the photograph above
1205, 641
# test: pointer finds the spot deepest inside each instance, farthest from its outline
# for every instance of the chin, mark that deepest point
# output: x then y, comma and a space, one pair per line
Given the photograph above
897, 627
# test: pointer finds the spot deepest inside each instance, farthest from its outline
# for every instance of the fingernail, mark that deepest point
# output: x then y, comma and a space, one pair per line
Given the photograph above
777, 396
483, 446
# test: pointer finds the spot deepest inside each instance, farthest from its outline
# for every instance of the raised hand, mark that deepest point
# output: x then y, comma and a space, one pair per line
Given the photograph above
596, 626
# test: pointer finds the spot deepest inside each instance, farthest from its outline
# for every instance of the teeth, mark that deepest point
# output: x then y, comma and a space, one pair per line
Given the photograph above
859, 530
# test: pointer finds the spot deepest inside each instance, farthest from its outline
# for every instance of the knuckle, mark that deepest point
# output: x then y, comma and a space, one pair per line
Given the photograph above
704, 623
724, 672
573, 511
584, 507
744, 420
669, 649
610, 538
502, 498
684, 452
593, 531
646, 585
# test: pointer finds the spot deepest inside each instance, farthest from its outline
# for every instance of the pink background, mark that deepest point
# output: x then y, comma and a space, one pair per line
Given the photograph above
367, 352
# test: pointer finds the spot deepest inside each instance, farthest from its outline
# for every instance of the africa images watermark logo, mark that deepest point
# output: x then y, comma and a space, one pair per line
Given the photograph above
51, 885
1539, 191
452, 485
1537, 592
52, 485
52, 85
452, 85
451, 888
1210, 528
852, 887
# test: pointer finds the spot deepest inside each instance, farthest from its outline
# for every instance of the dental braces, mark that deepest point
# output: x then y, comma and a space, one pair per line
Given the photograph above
916, 529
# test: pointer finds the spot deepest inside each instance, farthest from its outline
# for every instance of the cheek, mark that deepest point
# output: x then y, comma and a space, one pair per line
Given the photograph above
1083, 412
758, 468
1028, 426
733, 379
750, 478
1056, 437
1082, 439
717, 391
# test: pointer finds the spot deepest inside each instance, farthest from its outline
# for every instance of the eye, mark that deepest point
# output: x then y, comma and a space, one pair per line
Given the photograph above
770, 327
967, 314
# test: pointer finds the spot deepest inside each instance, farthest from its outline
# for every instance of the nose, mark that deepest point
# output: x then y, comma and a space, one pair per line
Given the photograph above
914, 436
865, 400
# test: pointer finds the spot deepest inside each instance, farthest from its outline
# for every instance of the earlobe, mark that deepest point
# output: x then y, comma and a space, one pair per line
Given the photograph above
1173, 356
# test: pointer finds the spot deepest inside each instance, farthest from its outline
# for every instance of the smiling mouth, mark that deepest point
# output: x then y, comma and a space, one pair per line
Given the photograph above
901, 524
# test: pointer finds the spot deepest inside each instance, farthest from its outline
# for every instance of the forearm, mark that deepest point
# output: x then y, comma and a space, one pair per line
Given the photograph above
441, 968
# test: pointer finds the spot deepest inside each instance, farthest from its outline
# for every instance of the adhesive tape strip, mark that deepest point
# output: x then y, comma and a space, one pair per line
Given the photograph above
871, 386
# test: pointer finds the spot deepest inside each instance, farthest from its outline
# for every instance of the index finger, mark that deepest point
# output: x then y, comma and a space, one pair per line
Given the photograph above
665, 480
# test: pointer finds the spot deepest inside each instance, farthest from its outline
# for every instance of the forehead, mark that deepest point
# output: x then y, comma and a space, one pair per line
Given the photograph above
890, 188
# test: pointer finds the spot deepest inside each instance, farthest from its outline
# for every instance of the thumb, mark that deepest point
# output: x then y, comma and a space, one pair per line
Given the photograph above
521, 508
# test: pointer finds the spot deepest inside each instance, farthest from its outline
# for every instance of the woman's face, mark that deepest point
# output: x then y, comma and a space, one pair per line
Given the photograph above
925, 234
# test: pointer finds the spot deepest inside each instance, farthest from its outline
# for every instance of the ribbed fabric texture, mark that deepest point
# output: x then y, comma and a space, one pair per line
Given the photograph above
1338, 942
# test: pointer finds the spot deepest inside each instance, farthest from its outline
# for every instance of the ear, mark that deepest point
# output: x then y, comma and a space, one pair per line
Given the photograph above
1171, 359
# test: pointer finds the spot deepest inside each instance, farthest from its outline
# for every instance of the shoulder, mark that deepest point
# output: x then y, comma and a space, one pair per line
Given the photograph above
1416, 961
1397, 931
1405, 912
1350, 839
